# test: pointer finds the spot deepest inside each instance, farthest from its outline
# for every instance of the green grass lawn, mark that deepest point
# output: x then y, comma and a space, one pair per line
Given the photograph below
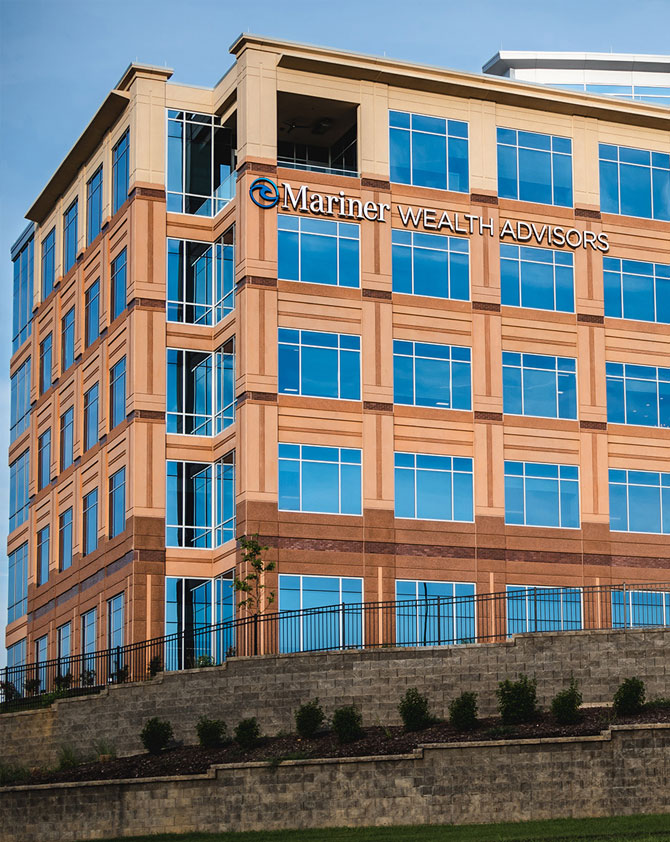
619, 829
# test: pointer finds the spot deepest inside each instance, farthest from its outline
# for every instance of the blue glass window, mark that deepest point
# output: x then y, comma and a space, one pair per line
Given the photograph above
19, 481
640, 608
70, 237
434, 613
16, 657
537, 494
339, 626
634, 182
115, 621
201, 280
20, 401
433, 487
431, 264
67, 439
41, 651
92, 313
90, 522
43, 541
188, 613
43, 460
541, 609
94, 206
89, 637
200, 501
118, 285
323, 365
534, 167
200, 390
637, 290
545, 387
120, 168
639, 501
225, 500
48, 263
431, 375
63, 638
428, 151
117, 393
67, 340
17, 602
117, 503
91, 420
23, 295
318, 251
540, 279
638, 394
65, 540
46, 364
319, 479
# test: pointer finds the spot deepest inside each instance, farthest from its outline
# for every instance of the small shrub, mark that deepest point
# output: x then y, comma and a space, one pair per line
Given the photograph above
308, 719
67, 757
88, 678
463, 712
211, 732
565, 705
121, 675
204, 661
103, 748
629, 698
156, 734
63, 682
517, 700
155, 666
9, 691
32, 686
247, 733
413, 709
347, 724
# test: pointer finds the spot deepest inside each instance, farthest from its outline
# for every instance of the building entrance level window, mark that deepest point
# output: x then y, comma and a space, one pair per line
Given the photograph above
201, 160
41, 654
92, 313
115, 621
67, 340
639, 501
544, 387
534, 167
431, 375
43, 542
634, 182
16, 657
428, 151
91, 417
640, 609
120, 172
117, 393
339, 627
539, 279
48, 263
65, 540
542, 609
200, 501
117, 503
322, 365
89, 637
200, 390
319, 479
17, 592
118, 292
20, 401
63, 637
46, 364
44, 460
431, 264
318, 251
537, 494
19, 485
70, 237
90, 522
23, 295
433, 487
201, 280
94, 206
638, 394
434, 613
67, 439
637, 290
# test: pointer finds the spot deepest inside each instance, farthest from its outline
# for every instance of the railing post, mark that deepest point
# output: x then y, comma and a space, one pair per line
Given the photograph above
341, 625
534, 609
439, 619
256, 633
625, 607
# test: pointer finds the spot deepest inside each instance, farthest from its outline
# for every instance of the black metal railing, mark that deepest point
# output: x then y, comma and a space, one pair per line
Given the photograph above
428, 621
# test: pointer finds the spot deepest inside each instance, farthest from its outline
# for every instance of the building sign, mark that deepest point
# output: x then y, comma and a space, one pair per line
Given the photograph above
266, 194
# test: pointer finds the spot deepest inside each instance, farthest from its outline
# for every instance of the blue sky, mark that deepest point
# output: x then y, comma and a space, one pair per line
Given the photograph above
59, 58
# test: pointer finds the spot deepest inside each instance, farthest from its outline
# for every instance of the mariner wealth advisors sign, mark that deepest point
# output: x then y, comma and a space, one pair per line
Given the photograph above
266, 194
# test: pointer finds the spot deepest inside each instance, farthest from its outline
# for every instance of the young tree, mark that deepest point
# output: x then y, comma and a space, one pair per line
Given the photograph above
255, 599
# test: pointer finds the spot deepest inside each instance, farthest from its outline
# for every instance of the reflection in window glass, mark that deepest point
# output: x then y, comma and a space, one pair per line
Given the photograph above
48, 263
534, 167
545, 387
319, 479
23, 295
94, 206
117, 503
639, 501
640, 608
431, 264
17, 592
117, 393
90, 522
67, 340
431, 375
318, 251
637, 290
43, 541
200, 390
538, 494
541, 279
20, 401
434, 613
540, 609
120, 168
19, 484
65, 540
201, 280
433, 487
92, 313
323, 365
638, 394
67, 438
200, 503
634, 182
70, 237
118, 292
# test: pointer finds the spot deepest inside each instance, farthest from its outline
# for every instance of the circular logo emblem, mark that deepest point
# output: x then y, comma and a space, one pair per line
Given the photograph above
264, 193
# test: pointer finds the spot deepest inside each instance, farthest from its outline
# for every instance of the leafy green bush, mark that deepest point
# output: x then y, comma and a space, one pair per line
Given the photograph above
517, 700
463, 712
247, 733
629, 698
308, 719
156, 734
413, 709
347, 724
211, 732
565, 705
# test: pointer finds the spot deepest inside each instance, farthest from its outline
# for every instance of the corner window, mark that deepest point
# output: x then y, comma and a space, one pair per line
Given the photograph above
70, 237
201, 280
117, 393
434, 613
91, 417
94, 206
46, 364
322, 365
92, 313
541, 279
43, 541
48, 263
17, 602
433, 487
538, 494
541, 609
117, 503
67, 340
639, 501
431, 375
118, 286
90, 522
16, 657
428, 151
318, 251
545, 387
67, 439
319, 479
19, 484
534, 167
23, 295
20, 401
637, 290
44, 460
65, 540
638, 394
431, 264
120, 169
634, 182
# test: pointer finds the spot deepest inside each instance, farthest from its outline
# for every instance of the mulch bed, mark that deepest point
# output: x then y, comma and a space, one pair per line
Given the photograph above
189, 760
